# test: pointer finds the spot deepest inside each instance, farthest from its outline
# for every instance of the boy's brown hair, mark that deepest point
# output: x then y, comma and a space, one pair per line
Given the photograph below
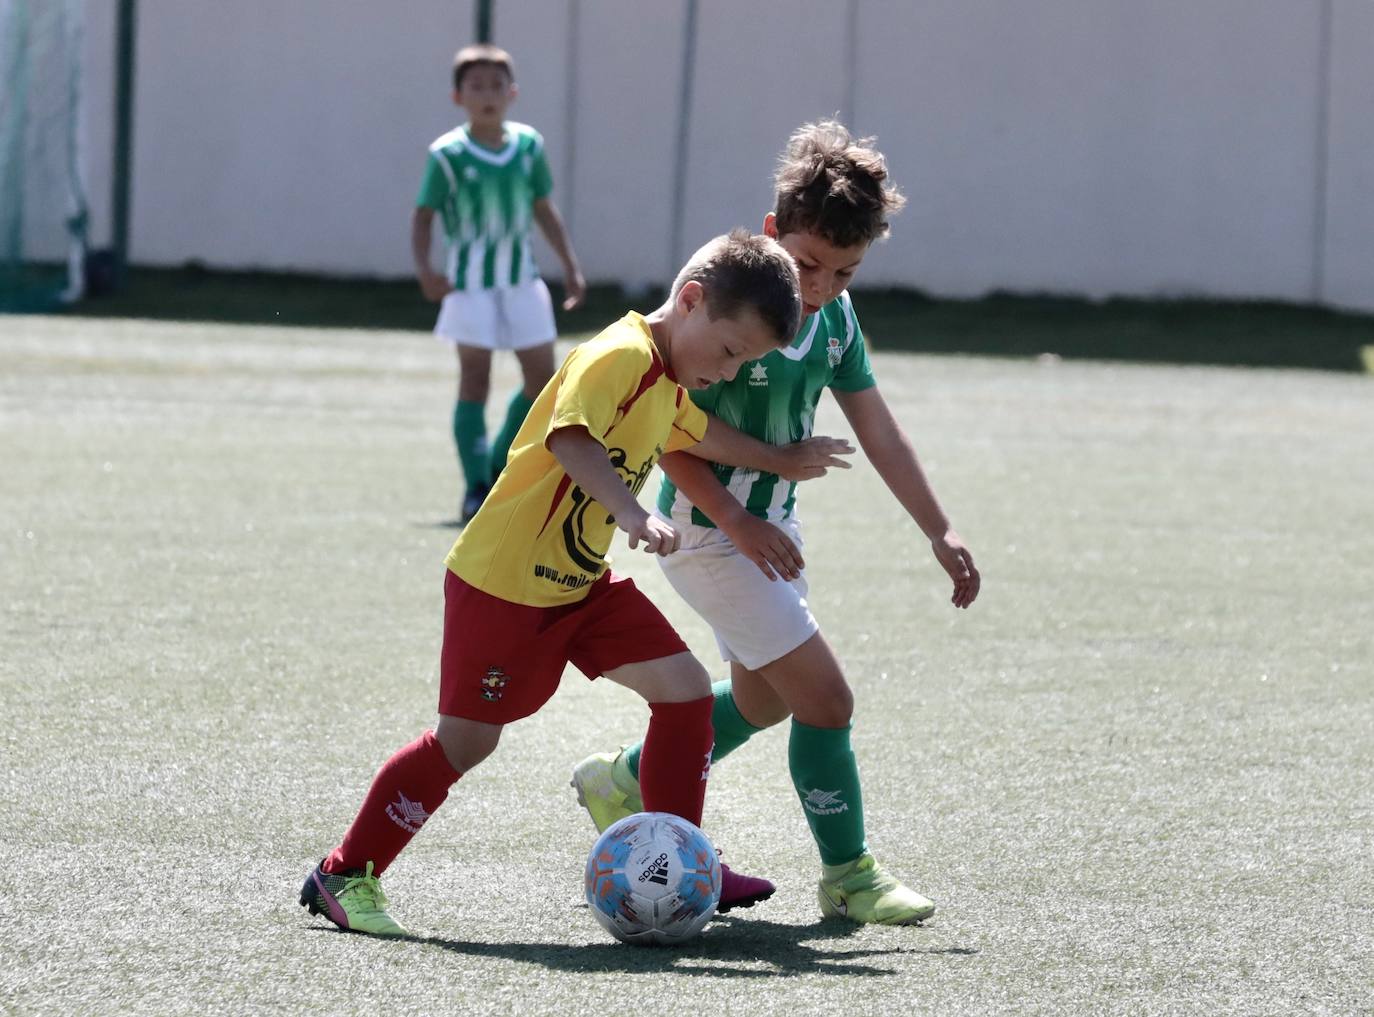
740, 270
475, 56
834, 185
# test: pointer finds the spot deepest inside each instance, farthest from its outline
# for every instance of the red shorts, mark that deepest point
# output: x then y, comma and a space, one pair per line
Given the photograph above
502, 661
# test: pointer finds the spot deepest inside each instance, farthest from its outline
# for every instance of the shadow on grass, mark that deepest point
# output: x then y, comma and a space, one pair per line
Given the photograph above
731, 948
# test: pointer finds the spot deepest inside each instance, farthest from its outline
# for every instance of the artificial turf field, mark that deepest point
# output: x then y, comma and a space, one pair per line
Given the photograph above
1137, 776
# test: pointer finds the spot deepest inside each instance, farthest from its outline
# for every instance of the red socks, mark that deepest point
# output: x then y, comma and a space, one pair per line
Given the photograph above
406, 791
676, 758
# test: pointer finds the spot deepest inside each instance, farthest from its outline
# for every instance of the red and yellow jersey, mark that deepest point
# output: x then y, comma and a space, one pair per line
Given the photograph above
539, 539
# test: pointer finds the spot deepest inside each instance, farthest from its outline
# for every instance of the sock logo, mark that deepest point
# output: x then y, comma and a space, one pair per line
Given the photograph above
824, 803
408, 815
706, 765
656, 871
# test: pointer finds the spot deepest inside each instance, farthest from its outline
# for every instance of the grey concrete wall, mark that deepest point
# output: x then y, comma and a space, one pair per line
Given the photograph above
1223, 147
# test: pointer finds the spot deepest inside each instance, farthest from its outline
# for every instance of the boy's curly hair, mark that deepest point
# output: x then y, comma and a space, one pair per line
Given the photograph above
834, 185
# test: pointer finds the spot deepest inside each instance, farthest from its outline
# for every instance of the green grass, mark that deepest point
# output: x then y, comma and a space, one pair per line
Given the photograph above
1135, 775
1256, 334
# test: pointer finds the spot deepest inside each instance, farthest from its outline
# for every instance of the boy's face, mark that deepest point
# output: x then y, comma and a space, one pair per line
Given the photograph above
703, 351
825, 269
486, 93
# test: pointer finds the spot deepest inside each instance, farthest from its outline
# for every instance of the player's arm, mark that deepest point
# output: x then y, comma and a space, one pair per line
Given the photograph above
801, 460
432, 284
893, 456
760, 541
551, 225
584, 459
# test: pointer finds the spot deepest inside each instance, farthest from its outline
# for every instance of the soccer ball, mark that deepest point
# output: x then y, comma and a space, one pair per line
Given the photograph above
653, 878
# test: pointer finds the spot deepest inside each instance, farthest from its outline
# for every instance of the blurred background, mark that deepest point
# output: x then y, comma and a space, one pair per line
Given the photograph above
1219, 151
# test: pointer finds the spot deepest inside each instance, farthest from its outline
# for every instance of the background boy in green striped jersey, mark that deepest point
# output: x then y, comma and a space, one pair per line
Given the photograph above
740, 532
490, 180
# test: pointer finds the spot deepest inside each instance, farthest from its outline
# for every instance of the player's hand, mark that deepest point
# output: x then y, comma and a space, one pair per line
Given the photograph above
956, 559
812, 457
434, 286
576, 287
766, 546
659, 537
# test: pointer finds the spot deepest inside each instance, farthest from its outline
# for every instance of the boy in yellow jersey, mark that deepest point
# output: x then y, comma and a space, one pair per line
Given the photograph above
528, 589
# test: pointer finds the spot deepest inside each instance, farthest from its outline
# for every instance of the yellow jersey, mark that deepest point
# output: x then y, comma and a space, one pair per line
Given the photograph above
538, 538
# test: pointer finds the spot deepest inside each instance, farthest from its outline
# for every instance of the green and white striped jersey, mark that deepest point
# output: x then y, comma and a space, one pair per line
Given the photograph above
487, 201
774, 399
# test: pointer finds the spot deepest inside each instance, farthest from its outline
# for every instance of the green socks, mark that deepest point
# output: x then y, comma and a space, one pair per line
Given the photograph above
470, 435
516, 411
732, 730
826, 777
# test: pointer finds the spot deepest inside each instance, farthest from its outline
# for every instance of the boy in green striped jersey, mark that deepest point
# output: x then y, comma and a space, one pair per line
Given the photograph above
489, 180
740, 565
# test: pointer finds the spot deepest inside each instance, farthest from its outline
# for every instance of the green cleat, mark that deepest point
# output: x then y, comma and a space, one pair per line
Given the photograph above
602, 792
863, 891
352, 900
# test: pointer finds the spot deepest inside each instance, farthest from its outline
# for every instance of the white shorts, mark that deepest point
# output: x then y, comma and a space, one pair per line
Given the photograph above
755, 621
512, 318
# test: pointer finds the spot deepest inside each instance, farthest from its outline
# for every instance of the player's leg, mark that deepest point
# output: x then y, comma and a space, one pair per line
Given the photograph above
825, 774
754, 621
470, 426
626, 638
469, 320
416, 780
527, 328
537, 367
743, 705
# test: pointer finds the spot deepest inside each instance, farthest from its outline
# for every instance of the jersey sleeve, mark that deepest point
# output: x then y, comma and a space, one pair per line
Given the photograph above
597, 380
436, 184
541, 180
689, 426
854, 373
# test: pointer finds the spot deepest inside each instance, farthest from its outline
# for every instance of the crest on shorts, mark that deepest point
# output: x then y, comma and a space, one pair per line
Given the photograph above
494, 684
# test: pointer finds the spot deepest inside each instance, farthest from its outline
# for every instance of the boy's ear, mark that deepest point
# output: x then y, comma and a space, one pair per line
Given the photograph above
770, 226
514, 91
457, 97
689, 296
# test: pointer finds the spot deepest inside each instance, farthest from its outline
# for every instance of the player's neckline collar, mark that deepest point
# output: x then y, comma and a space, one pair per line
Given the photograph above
497, 157
801, 345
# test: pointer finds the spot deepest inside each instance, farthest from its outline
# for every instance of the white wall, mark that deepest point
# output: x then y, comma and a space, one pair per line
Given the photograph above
1083, 146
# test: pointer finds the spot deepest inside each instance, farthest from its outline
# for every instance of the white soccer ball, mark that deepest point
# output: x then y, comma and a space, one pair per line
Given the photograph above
654, 879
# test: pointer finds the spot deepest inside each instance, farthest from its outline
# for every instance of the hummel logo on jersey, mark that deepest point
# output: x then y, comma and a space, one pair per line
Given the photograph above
824, 803
471, 173
656, 871
406, 814
758, 376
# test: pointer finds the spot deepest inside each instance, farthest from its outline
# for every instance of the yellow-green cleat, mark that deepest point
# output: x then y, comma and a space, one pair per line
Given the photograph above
352, 900
863, 891
606, 788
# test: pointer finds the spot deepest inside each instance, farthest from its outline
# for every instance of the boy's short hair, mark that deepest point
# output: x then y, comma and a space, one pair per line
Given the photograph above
831, 184
478, 54
741, 270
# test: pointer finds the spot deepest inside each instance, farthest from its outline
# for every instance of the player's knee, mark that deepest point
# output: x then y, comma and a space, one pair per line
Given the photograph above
466, 743
833, 709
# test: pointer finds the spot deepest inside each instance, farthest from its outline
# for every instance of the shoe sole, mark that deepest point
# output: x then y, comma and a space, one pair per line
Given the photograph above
831, 911
312, 892
745, 902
